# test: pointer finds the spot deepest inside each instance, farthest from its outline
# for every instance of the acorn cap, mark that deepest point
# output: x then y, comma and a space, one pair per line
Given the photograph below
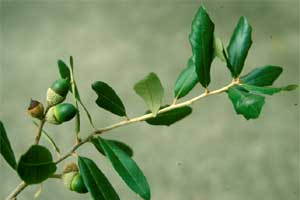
64, 112
70, 167
54, 98
36, 109
61, 87
50, 117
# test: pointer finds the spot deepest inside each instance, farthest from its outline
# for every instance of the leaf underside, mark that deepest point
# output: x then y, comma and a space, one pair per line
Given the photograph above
151, 91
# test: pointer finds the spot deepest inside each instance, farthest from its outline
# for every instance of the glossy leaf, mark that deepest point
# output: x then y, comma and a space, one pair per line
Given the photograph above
121, 145
238, 47
126, 168
247, 104
95, 181
202, 39
5, 148
219, 49
186, 80
65, 72
151, 90
170, 117
36, 165
262, 76
267, 90
108, 99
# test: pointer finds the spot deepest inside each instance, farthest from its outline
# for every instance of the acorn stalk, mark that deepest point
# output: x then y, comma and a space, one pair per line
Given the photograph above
57, 92
61, 113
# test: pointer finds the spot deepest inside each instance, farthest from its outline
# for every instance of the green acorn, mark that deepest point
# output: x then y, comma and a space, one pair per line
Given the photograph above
61, 113
73, 180
58, 92
36, 109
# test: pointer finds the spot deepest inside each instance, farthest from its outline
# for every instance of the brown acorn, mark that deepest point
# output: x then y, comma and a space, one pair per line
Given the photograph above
36, 109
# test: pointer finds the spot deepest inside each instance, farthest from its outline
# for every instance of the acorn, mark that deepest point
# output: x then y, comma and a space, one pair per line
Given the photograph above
72, 179
61, 113
58, 91
36, 109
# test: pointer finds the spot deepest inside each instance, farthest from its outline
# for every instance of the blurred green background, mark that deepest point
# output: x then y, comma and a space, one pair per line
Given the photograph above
212, 155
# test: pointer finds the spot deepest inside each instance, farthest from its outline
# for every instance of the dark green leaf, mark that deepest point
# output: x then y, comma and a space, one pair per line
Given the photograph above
267, 90
36, 165
95, 181
238, 47
202, 39
186, 80
170, 117
65, 72
247, 104
151, 90
108, 99
5, 148
126, 168
121, 145
262, 76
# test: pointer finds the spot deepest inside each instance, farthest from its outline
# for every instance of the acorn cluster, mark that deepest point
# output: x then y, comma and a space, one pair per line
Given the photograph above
56, 112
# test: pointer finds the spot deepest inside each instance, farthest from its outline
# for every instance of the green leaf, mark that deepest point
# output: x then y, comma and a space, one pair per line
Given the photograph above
202, 42
121, 145
238, 47
262, 76
65, 72
151, 90
126, 168
247, 104
186, 80
36, 165
170, 117
267, 90
5, 148
95, 181
219, 49
108, 99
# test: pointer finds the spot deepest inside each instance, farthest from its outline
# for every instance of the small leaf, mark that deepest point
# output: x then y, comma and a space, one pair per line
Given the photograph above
262, 76
267, 90
202, 39
121, 145
238, 47
5, 148
95, 181
219, 49
65, 72
36, 165
186, 80
247, 104
170, 117
126, 168
151, 90
108, 99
